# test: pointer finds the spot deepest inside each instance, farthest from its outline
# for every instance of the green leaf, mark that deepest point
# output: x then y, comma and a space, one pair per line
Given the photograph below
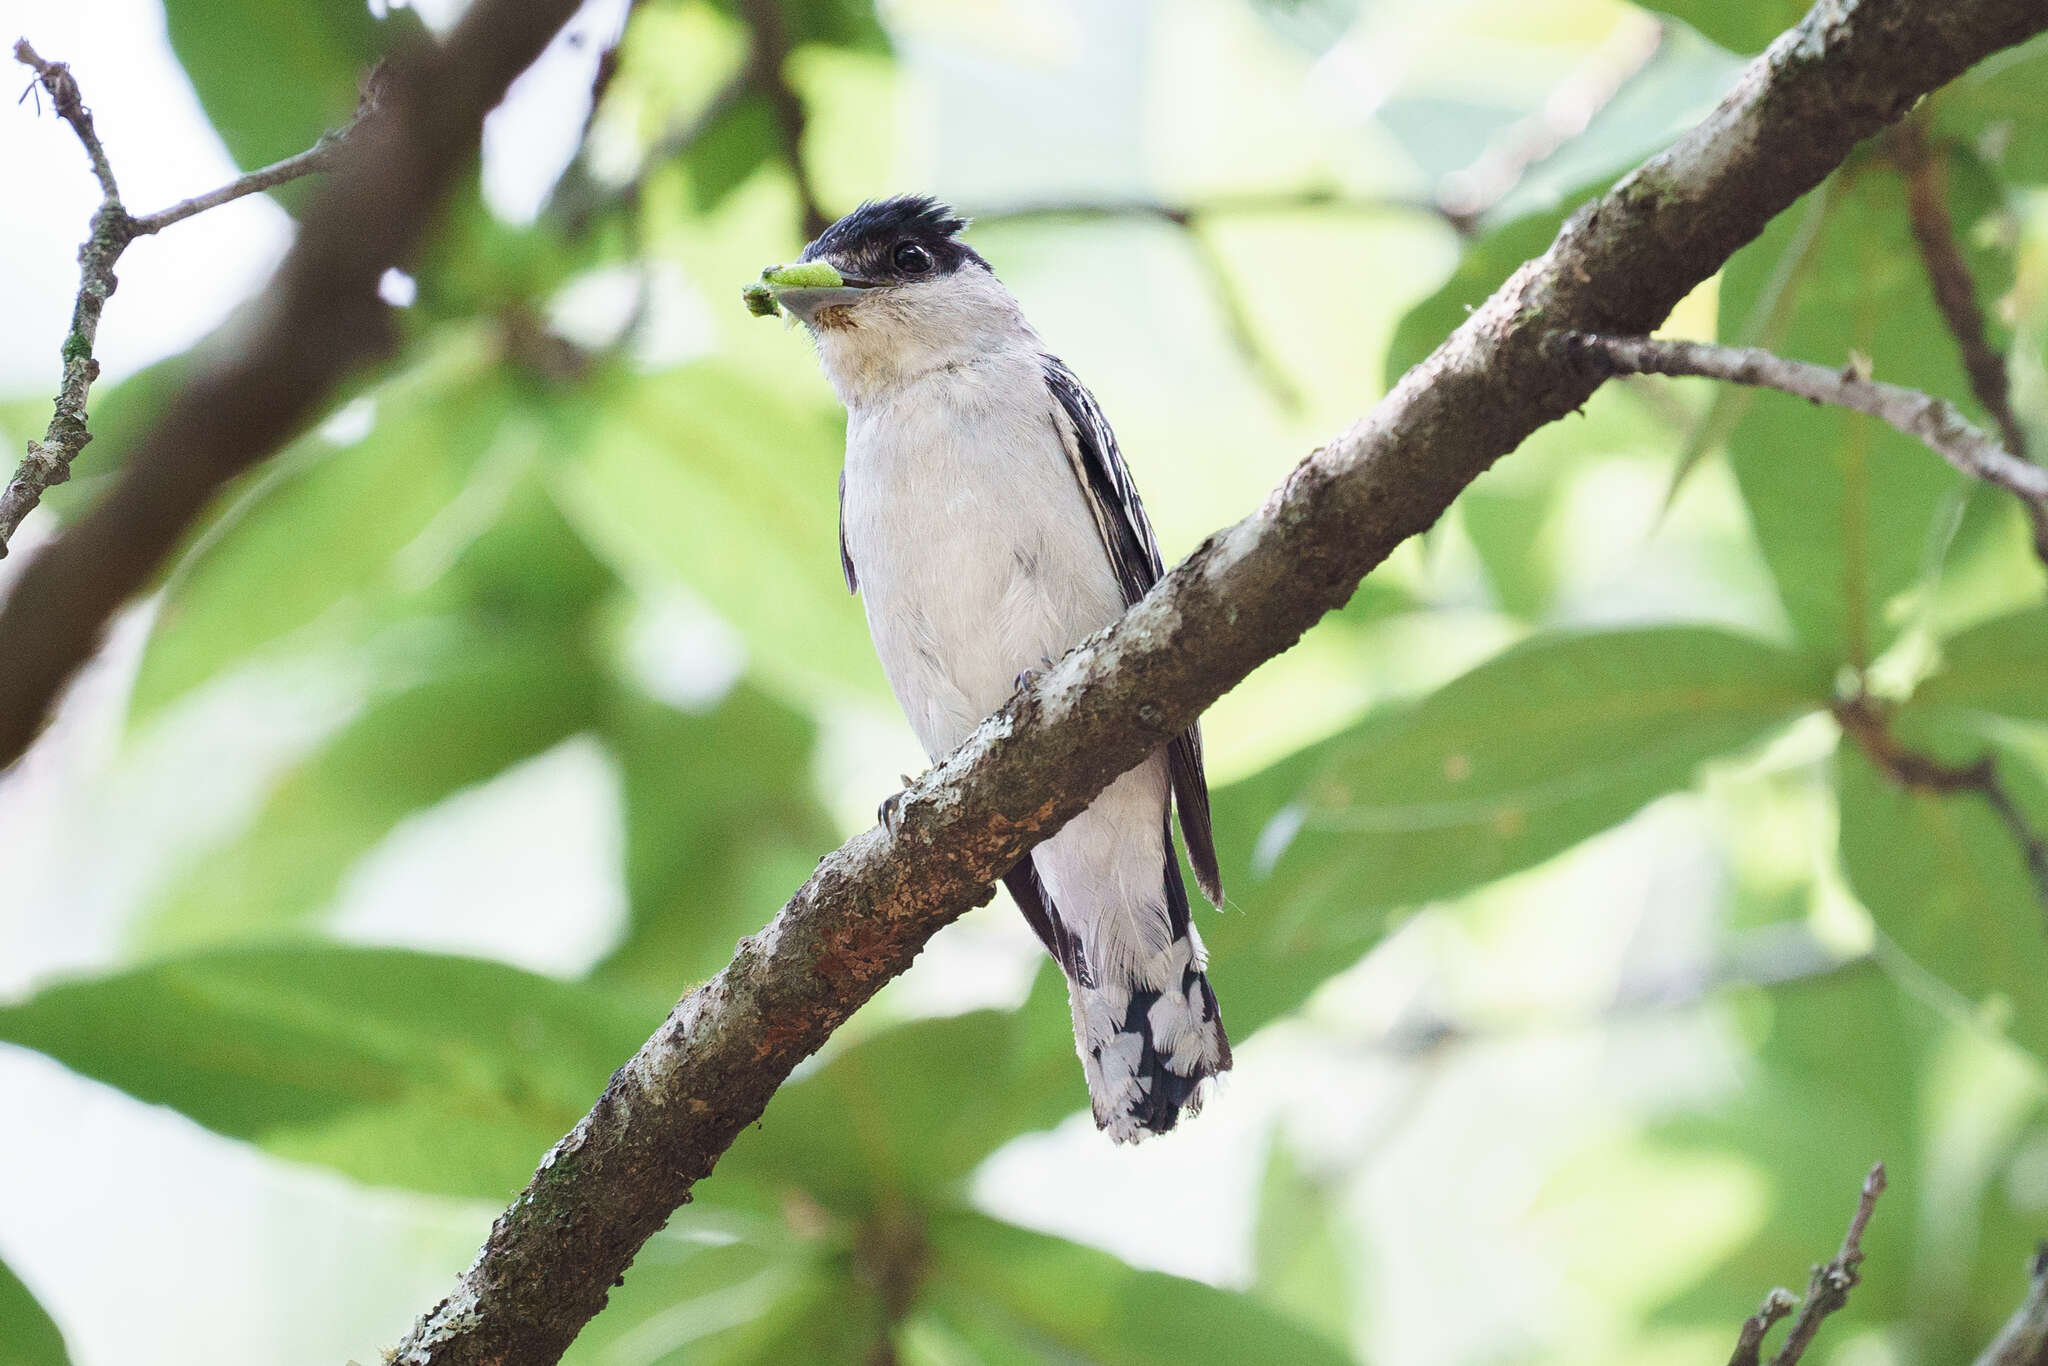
1996, 108
1064, 1301
908, 1114
1845, 508
1998, 666
833, 23
730, 150
325, 529
720, 823
273, 75
715, 1288
708, 475
1523, 757
27, 1336
1945, 878
487, 702
1746, 27
1835, 1086
436, 1073
1302, 1254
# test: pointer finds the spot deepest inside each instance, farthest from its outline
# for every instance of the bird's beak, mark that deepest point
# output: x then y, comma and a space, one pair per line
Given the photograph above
802, 290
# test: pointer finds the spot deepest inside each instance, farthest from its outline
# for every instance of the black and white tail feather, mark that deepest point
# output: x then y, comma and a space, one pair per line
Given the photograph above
1149, 1032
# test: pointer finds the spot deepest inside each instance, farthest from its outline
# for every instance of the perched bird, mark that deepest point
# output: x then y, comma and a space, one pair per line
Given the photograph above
988, 524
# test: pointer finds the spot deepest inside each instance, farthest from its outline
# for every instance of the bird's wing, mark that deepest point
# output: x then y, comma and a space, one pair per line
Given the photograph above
1134, 555
845, 560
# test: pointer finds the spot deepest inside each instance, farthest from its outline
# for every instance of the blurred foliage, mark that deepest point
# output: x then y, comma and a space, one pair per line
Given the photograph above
27, 1337
551, 522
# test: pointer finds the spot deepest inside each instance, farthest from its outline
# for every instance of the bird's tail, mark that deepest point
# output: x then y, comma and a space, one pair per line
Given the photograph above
1148, 1051
1149, 1035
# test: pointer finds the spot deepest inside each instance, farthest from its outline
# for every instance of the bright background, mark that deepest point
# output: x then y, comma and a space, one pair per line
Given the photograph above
1578, 971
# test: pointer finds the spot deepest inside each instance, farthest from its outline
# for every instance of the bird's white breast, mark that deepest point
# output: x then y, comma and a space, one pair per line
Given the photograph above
975, 549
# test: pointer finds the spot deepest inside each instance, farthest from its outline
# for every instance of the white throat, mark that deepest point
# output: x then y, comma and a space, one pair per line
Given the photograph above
902, 333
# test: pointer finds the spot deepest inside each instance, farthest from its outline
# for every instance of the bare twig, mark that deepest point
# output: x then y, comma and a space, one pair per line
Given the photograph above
1955, 291
113, 228
319, 320
578, 200
1245, 595
1933, 422
1867, 721
1185, 213
319, 157
1829, 1288
1749, 1342
1266, 367
49, 460
768, 59
2024, 1339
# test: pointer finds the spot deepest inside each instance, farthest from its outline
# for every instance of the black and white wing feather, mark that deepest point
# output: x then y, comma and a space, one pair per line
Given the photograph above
1134, 554
845, 558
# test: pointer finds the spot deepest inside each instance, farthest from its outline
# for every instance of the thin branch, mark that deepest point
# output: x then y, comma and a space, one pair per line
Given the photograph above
69, 103
1185, 213
1829, 1288
1955, 290
1868, 722
321, 319
1771, 957
768, 59
1749, 1342
2024, 1339
1244, 596
579, 200
320, 156
1933, 422
49, 461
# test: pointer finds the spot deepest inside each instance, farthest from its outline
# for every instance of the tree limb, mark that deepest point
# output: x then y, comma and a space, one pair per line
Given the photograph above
1933, 422
113, 228
1829, 1288
273, 369
2024, 1339
1245, 595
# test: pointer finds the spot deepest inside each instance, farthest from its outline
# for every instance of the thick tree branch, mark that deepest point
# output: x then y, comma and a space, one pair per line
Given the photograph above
2024, 1339
276, 367
1933, 422
113, 228
1246, 594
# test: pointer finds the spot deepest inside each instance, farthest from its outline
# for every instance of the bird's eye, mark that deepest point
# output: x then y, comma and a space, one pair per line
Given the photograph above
911, 259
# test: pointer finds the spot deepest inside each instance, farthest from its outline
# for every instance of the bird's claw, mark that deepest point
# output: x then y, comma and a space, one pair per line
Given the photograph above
1026, 677
889, 815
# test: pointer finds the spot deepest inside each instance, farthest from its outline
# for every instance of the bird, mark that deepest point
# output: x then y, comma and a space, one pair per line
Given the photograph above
988, 523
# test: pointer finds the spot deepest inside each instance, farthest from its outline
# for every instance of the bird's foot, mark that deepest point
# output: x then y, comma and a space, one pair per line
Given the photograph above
889, 815
1026, 677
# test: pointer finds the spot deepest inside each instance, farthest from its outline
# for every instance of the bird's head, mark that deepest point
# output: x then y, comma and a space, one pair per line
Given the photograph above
889, 292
